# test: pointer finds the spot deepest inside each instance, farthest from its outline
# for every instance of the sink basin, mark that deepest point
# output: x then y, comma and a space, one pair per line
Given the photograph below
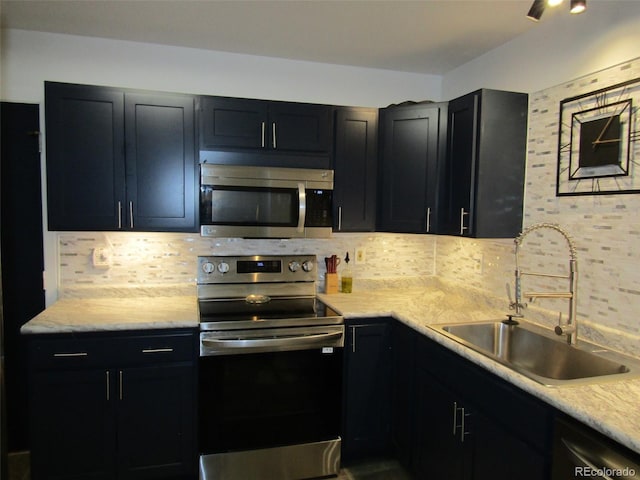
541, 355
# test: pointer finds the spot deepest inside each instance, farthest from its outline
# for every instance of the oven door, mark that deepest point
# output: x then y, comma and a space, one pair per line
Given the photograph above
259, 395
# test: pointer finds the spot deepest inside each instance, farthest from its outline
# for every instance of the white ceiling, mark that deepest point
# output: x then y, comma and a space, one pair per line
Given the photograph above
422, 36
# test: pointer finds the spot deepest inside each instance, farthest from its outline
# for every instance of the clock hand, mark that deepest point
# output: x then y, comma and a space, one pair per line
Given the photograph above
611, 140
599, 140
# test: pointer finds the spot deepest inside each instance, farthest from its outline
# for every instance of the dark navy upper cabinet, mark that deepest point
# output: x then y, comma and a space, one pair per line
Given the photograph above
412, 148
483, 186
241, 131
85, 156
356, 166
119, 159
160, 162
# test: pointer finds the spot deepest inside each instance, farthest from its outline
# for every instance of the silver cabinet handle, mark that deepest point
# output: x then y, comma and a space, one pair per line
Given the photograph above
74, 354
264, 129
120, 393
339, 218
455, 418
302, 210
131, 214
119, 214
353, 339
461, 426
462, 227
108, 384
463, 431
157, 350
428, 219
273, 132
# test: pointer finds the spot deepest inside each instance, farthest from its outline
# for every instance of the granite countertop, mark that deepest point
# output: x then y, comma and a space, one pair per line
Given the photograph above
111, 313
610, 408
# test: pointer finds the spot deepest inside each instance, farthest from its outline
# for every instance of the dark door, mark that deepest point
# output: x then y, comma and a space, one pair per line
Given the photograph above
155, 427
356, 162
72, 420
367, 380
439, 451
300, 127
22, 253
456, 205
410, 156
233, 123
85, 157
161, 168
262, 400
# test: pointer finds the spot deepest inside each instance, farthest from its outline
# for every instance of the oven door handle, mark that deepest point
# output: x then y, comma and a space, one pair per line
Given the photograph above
294, 340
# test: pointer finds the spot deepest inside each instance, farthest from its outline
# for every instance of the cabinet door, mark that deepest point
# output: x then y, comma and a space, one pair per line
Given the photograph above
72, 429
500, 455
402, 391
484, 174
366, 384
300, 127
440, 448
161, 168
233, 123
411, 148
356, 160
456, 200
156, 408
85, 156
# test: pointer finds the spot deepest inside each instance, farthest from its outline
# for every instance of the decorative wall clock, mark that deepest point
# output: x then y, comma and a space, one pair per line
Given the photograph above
599, 141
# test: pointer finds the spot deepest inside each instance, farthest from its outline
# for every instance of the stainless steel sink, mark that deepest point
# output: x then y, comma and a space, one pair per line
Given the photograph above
538, 354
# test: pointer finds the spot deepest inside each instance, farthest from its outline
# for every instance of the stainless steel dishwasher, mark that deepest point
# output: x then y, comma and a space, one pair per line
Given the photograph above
579, 452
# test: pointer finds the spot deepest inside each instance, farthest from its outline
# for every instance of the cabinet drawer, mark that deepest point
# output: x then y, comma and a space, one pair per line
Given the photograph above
90, 351
151, 349
68, 353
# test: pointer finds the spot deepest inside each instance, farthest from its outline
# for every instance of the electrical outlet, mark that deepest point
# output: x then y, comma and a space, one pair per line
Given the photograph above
361, 256
101, 257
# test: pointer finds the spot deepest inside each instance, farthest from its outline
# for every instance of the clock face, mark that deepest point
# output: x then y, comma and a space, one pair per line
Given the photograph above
598, 141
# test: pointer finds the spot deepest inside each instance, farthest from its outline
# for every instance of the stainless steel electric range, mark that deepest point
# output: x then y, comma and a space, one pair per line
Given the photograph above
270, 371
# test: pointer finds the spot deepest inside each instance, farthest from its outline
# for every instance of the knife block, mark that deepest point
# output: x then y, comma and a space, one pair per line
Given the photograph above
331, 283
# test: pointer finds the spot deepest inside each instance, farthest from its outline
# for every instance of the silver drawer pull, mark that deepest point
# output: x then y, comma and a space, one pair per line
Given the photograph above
77, 354
157, 350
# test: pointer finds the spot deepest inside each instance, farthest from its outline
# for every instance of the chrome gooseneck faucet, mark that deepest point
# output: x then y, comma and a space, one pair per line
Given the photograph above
570, 327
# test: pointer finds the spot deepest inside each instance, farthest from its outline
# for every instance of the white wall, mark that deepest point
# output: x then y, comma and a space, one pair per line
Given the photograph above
29, 58
558, 48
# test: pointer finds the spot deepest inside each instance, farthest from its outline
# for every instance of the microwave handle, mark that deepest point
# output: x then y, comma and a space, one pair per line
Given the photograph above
302, 202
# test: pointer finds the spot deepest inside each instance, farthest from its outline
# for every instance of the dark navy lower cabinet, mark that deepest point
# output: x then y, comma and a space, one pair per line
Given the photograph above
113, 407
366, 388
439, 415
471, 424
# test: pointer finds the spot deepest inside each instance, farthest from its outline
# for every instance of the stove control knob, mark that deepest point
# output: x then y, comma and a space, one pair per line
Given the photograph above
223, 267
208, 267
294, 266
307, 266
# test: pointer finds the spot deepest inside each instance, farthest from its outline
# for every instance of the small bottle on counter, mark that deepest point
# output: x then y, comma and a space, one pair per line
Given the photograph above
347, 276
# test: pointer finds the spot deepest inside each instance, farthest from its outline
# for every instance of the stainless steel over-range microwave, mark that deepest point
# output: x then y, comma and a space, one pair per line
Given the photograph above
265, 202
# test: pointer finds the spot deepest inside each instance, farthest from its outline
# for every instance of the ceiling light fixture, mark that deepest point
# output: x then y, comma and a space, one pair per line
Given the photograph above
536, 10
578, 6
538, 6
